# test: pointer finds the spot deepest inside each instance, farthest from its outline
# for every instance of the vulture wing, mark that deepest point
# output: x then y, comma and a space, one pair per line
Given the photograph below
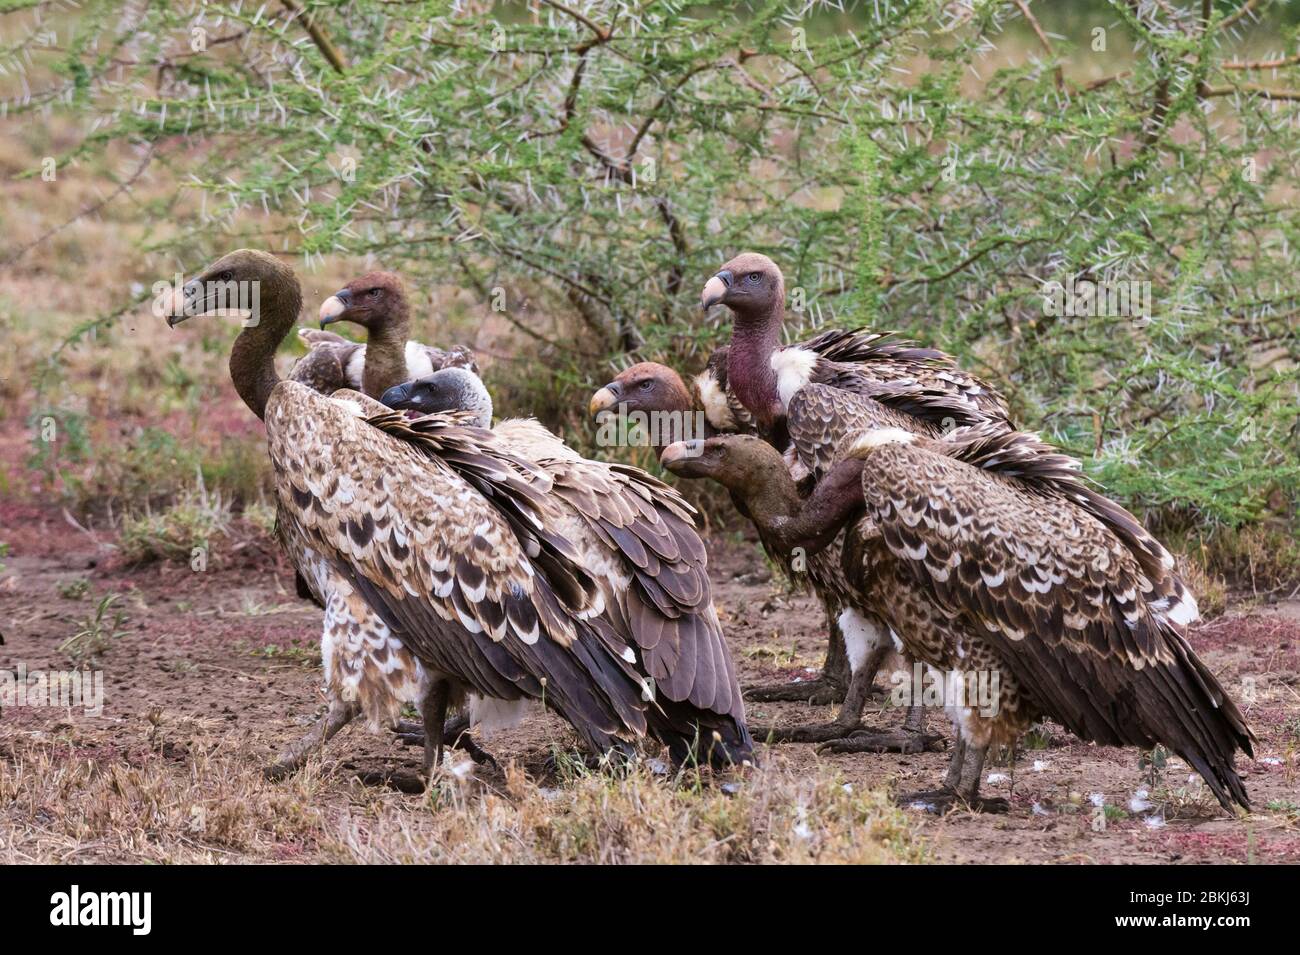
325, 367
447, 538
647, 530
821, 417
1063, 601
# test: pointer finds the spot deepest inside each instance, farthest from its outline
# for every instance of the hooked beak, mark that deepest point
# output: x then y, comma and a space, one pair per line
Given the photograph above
181, 303
605, 399
678, 456
400, 397
715, 288
334, 307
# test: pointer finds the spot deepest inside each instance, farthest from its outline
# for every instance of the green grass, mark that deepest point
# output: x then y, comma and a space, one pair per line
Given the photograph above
96, 633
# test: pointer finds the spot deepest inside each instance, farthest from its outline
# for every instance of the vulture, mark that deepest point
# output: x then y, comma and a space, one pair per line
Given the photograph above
999, 567
459, 546
637, 540
750, 384
377, 302
924, 380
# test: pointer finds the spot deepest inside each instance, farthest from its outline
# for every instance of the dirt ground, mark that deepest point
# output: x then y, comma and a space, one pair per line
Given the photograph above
222, 665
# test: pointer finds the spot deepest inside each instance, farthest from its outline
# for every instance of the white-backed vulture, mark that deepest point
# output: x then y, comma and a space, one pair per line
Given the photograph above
637, 539
924, 382
449, 538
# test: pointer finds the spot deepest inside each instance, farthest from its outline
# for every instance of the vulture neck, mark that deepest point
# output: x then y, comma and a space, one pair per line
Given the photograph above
252, 359
754, 339
774, 496
386, 351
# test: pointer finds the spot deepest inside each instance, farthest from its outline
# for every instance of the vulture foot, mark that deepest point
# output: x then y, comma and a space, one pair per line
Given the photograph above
805, 733
900, 740
941, 801
819, 692
295, 754
455, 732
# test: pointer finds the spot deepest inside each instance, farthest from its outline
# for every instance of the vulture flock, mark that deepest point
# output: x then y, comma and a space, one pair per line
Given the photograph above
471, 569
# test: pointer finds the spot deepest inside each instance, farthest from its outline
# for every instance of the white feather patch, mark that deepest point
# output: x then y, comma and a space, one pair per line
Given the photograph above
418, 364
861, 636
794, 367
356, 368
879, 437
714, 402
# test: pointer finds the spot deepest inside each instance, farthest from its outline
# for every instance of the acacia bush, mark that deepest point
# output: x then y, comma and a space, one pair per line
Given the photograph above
924, 166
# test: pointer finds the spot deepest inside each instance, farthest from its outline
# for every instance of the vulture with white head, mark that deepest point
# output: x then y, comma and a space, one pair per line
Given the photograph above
451, 539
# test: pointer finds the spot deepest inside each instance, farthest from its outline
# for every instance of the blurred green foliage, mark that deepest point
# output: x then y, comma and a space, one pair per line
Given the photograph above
925, 166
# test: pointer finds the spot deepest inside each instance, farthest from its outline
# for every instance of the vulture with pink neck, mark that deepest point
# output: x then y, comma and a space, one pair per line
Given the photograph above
917, 389
452, 540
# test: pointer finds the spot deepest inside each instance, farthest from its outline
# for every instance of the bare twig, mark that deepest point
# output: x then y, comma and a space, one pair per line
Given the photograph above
1042, 38
318, 36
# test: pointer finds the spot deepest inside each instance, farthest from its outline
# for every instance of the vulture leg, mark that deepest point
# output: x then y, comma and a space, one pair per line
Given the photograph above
915, 722
433, 708
960, 786
846, 721
338, 715
456, 732
830, 687
868, 647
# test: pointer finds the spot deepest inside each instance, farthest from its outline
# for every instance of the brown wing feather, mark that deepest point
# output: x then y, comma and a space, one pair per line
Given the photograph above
462, 584
1062, 601
823, 419
647, 534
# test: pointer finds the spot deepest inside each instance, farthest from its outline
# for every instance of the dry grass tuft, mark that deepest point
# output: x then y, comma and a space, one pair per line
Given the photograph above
204, 800
772, 815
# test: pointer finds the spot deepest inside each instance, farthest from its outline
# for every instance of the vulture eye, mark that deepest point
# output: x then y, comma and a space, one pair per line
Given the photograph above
225, 276
645, 385
753, 277
374, 292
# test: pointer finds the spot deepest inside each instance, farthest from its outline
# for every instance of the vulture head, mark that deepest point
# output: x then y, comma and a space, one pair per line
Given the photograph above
743, 463
750, 285
646, 386
242, 282
372, 301
452, 389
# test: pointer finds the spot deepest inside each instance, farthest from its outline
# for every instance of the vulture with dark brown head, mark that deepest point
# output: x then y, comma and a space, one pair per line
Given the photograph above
377, 302
1024, 591
457, 544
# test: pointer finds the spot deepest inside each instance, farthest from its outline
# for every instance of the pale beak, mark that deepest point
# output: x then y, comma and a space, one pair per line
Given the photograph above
174, 307
714, 289
602, 400
680, 451
331, 309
